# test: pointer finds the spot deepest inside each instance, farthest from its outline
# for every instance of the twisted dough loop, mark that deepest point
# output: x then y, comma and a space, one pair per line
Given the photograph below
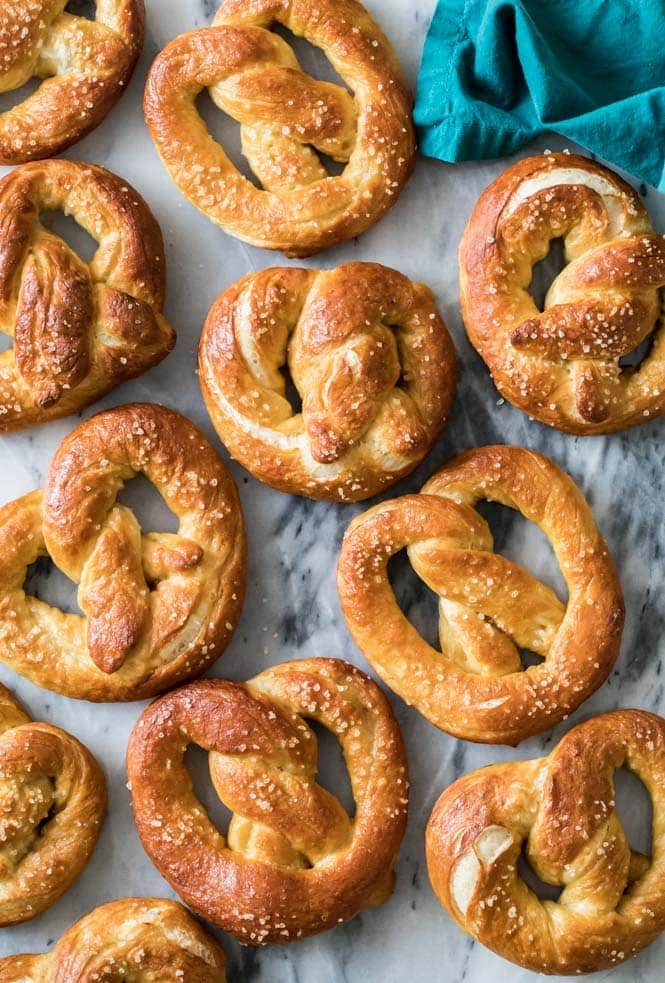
52, 805
562, 365
158, 608
79, 328
287, 118
489, 607
613, 901
369, 355
293, 863
84, 66
137, 939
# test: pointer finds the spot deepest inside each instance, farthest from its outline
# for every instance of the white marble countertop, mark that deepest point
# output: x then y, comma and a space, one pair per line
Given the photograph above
292, 608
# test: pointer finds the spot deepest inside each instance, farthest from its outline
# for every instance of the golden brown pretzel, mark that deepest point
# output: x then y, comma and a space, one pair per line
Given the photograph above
294, 862
145, 940
79, 328
84, 66
158, 608
475, 687
562, 366
286, 116
562, 807
368, 352
52, 805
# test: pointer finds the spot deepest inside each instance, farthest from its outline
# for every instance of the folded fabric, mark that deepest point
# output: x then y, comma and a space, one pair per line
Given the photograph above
496, 73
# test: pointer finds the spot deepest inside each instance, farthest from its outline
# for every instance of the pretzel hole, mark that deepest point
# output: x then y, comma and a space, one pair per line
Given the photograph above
226, 131
6, 342
68, 229
634, 809
14, 97
633, 360
82, 8
418, 603
523, 542
46, 582
196, 762
542, 890
151, 511
545, 272
332, 773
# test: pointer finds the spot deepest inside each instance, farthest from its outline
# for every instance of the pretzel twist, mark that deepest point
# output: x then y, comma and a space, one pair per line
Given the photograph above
286, 118
369, 355
158, 608
139, 939
84, 66
79, 328
293, 863
489, 607
563, 365
562, 808
52, 805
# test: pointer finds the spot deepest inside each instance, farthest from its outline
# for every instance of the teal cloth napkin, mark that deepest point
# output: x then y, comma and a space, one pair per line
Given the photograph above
496, 73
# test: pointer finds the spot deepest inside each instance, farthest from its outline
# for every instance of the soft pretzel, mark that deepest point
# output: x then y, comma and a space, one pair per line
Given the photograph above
145, 940
293, 863
489, 607
52, 805
370, 356
84, 66
287, 118
562, 808
158, 608
79, 328
562, 366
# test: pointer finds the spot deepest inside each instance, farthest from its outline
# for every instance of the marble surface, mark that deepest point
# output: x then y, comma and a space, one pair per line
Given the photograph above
292, 608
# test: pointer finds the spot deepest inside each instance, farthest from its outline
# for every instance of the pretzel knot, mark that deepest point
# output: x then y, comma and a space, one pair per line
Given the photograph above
294, 862
370, 357
563, 365
158, 608
137, 939
287, 118
84, 66
52, 805
563, 808
79, 328
489, 607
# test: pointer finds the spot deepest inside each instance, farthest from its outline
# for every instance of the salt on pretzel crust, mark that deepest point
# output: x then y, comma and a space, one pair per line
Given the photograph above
564, 365
137, 939
79, 328
158, 608
370, 356
84, 66
52, 805
287, 118
293, 862
489, 607
562, 809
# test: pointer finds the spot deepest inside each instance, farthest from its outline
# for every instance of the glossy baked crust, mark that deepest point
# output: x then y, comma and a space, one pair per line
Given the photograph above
287, 119
564, 366
79, 328
372, 361
84, 65
489, 607
52, 805
562, 810
158, 608
293, 863
139, 939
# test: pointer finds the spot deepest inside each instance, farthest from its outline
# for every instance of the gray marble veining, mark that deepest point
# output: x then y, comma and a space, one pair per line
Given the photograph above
292, 608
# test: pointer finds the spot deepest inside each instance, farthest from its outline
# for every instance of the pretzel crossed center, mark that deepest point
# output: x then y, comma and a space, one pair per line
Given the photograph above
352, 351
488, 605
285, 115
